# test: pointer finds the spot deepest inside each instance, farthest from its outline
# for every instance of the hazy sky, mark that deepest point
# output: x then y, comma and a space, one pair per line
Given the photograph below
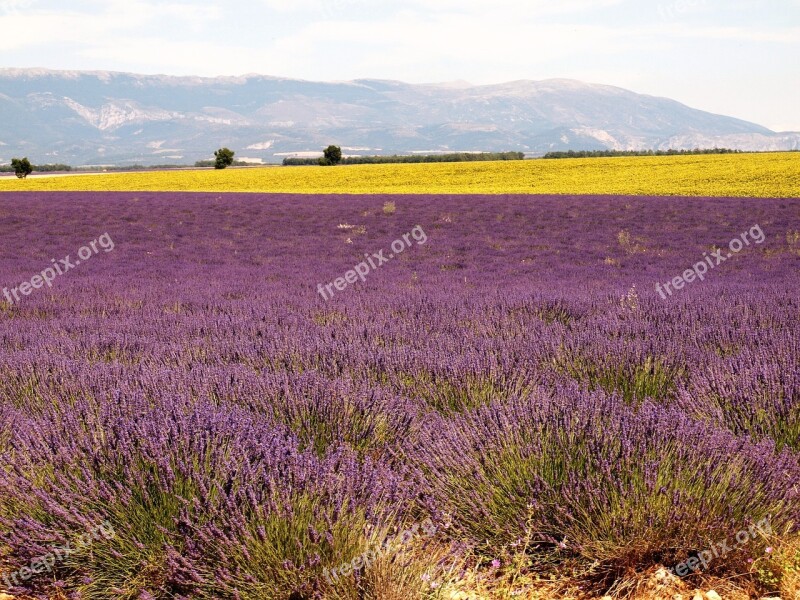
735, 57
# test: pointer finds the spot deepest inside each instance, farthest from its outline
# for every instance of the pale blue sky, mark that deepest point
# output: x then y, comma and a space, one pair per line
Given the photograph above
735, 57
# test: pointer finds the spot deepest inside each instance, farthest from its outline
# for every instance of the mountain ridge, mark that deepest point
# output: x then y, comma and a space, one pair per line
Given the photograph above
110, 117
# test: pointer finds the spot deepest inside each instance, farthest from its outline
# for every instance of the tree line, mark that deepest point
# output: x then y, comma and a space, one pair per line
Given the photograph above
331, 158
23, 167
332, 155
612, 153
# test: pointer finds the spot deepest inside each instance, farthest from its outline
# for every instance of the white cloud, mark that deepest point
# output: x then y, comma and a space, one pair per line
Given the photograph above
261, 146
690, 56
11, 6
41, 26
314, 9
787, 35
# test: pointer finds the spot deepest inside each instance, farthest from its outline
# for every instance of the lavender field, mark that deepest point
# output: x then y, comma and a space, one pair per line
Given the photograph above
221, 401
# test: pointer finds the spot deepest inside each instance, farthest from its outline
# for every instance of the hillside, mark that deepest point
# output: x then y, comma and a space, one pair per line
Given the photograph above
119, 118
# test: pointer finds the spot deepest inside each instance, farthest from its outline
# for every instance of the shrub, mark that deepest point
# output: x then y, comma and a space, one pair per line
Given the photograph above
205, 502
749, 396
223, 158
22, 167
591, 476
325, 414
333, 154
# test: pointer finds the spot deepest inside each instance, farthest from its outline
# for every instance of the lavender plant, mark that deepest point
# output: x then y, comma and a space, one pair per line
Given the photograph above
242, 435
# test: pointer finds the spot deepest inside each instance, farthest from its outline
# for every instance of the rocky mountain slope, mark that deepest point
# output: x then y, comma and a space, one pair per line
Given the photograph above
120, 118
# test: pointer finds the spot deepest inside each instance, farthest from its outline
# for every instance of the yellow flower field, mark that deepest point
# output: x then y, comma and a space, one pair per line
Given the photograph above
754, 175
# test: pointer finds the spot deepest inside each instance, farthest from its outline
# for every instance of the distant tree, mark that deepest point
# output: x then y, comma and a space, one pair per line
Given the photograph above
413, 158
51, 167
22, 167
333, 154
223, 158
213, 163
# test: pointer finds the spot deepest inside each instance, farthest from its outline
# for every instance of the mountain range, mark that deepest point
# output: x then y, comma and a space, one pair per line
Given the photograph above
109, 118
